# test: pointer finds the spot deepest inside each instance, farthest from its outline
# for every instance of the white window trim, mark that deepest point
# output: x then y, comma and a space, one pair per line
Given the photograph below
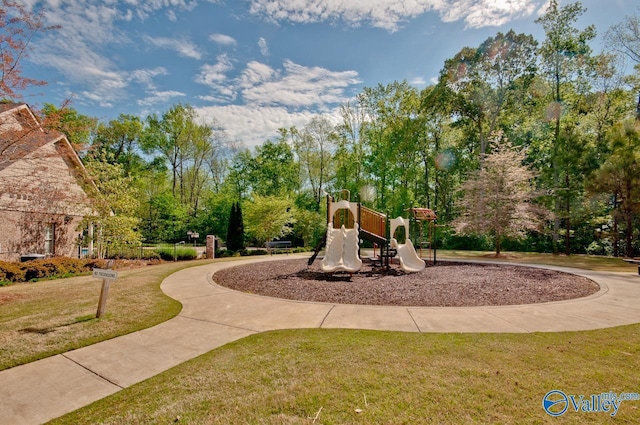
50, 239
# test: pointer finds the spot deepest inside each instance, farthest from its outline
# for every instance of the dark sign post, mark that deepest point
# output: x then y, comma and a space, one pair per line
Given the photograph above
107, 276
194, 236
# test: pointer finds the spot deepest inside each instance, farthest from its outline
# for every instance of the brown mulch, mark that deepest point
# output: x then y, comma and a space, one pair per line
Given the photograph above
445, 284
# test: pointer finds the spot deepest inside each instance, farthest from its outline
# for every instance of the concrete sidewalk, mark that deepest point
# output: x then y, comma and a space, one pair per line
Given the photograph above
213, 316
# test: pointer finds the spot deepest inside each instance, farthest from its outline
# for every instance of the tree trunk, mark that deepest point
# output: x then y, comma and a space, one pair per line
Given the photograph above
567, 238
616, 236
629, 218
426, 181
555, 165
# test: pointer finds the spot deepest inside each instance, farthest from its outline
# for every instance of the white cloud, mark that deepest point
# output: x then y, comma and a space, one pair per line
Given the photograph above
143, 8
264, 47
215, 76
83, 66
277, 98
391, 14
256, 73
253, 125
183, 46
85, 22
79, 49
294, 86
160, 97
486, 13
223, 39
146, 76
543, 8
298, 86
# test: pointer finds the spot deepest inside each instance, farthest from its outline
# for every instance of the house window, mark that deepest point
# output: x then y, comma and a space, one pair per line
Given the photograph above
49, 239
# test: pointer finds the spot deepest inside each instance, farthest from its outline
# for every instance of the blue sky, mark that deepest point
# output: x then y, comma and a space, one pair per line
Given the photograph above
253, 66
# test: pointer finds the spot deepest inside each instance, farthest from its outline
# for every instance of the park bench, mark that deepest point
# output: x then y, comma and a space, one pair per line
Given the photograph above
278, 245
633, 261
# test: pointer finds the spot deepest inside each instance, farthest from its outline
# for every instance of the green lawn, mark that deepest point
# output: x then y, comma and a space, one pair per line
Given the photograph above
44, 318
589, 262
327, 376
367, 377
41, 319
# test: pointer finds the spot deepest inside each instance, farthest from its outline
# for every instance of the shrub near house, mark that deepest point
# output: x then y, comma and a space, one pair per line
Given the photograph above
47, 268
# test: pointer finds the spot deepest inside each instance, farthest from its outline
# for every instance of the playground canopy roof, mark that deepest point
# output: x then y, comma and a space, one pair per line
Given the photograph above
423, 213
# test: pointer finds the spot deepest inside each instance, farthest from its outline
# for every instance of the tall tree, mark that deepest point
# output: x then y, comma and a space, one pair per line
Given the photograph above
607, 103
619, 177
117, 203
273, 170
488, 79
168, 136
350, 150
77, 127
565, 58
194, 176
625, 37
389, 112
405, 132
435, 117
313, 147
186, 145
121, 139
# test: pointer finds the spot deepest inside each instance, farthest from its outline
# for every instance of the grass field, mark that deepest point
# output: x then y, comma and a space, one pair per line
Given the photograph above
44, 318
328, 376
367, 377
589, 262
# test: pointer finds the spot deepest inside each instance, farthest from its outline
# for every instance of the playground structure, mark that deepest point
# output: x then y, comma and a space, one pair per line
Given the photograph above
349, 222
342, 244
409, 259
420, 215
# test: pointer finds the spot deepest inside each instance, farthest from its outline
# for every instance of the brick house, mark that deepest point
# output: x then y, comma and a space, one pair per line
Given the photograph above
43, 188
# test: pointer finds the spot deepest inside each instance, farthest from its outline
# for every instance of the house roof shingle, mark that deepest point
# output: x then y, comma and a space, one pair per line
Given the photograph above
21, 133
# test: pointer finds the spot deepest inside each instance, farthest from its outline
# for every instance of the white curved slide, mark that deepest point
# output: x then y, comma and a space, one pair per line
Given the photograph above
332, 260
350, 258
409, 259
341, 252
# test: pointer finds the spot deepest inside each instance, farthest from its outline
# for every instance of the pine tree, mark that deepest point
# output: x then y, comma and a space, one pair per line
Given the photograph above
235, 231
240, 226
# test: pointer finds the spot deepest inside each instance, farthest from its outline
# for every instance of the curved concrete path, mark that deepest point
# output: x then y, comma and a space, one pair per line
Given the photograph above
213, 316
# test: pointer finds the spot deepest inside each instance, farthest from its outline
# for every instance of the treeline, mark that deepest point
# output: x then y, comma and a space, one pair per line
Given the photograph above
570, 111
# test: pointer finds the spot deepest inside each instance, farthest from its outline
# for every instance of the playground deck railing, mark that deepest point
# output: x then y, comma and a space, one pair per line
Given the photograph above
373, 222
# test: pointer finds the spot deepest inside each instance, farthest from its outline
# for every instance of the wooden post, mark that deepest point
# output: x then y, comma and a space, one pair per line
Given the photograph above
104, 293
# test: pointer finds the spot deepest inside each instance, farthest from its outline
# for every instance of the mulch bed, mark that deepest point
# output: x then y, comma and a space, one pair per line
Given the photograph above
447, 284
